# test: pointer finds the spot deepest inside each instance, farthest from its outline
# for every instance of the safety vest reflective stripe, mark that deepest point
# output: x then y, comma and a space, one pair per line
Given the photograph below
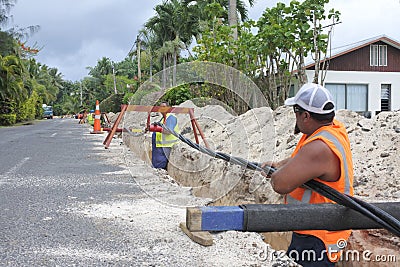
304, 199
336, 138
307, 192
167, 140
341, 149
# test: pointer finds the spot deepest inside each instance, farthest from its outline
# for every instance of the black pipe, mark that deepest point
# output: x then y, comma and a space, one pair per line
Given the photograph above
291, 217
372, 212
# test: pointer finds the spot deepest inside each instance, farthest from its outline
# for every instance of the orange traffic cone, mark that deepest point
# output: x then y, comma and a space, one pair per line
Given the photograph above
97, 124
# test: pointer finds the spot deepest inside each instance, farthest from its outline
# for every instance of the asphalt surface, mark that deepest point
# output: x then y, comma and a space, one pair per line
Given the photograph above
45, 169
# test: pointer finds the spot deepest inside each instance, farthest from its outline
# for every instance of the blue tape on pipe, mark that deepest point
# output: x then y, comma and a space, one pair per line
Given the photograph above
222, 218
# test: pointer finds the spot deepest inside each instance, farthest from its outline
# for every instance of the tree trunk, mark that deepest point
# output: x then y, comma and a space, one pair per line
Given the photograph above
174, 68
164, 76
151, 67
232, 17
317, 52
138, 59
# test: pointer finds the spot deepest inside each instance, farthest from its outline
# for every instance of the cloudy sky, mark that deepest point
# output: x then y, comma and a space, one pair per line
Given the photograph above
74, 34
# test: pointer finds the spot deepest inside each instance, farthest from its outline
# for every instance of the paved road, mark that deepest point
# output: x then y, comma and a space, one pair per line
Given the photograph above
67, 201
45, 169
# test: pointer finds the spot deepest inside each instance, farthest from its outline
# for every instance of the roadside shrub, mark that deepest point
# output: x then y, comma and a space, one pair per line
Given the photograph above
127, 98
178, 95
26, 110
8, 119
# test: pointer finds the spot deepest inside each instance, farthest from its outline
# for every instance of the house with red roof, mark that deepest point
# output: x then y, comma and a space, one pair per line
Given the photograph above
365, 76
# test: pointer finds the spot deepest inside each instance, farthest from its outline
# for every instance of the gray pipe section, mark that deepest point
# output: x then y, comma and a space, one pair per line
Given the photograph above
289, 217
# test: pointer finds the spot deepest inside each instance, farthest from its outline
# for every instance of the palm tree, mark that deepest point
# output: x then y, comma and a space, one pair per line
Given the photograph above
149, 43
172, 26
11, 83
228, 5
103, 68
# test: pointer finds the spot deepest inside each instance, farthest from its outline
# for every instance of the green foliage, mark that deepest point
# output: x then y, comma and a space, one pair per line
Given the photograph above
127, 97
11, 78
112, 103
178, 95
276, 44
68, 99
27, 110
284, 36
7, 119
122, 84
126, 68
58, 110
6, 44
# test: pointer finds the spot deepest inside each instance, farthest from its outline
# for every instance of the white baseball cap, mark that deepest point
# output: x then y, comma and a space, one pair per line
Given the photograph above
312, 97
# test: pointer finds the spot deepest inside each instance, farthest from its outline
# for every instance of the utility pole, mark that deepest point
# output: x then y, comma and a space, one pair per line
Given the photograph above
138, 58
115, 85
81, 94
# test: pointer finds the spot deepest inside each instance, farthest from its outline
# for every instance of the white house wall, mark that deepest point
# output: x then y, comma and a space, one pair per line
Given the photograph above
372, 79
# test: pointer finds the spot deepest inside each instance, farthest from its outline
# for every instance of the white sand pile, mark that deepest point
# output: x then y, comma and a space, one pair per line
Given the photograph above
261, 135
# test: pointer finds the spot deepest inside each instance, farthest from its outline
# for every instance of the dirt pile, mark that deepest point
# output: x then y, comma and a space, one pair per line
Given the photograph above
261, 135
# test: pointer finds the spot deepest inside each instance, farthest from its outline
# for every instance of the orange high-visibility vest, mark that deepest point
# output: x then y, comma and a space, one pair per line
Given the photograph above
335, 136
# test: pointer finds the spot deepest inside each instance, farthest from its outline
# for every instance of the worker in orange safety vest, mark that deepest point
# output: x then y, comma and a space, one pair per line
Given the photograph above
323, 153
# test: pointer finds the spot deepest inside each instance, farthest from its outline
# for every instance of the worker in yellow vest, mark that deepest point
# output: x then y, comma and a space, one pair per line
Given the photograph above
323, 153
163, 141
90, 117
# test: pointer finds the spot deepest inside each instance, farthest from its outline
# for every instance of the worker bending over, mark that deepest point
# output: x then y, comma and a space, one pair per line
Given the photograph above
163, 140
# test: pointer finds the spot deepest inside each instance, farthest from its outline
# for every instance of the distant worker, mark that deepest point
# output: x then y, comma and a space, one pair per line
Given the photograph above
323, 153
84, 117
90, 117
162, 140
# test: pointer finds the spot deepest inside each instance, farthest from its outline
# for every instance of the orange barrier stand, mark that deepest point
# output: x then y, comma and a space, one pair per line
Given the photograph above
149, 109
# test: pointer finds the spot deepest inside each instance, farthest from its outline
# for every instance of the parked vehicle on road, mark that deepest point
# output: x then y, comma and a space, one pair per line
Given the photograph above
48, 112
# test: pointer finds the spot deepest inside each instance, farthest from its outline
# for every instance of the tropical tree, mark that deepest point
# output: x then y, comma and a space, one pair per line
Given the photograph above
173, 27
24, 83
104, 67
228, 6
285, 36
7, 44
11, 82
149, 44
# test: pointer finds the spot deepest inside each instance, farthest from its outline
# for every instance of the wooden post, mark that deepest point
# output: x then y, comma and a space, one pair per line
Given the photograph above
110, 135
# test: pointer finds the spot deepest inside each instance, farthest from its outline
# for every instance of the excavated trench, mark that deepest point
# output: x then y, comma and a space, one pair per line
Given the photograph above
262, 134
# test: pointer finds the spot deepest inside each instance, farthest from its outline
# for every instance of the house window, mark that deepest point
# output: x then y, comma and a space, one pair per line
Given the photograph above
378, 55
385, 97
349, 96
291, 91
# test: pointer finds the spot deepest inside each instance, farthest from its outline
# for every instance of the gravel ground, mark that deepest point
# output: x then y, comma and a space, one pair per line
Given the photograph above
149, 222
67, 201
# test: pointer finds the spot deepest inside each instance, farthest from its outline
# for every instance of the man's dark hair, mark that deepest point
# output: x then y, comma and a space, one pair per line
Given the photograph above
324, 118
164, 102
